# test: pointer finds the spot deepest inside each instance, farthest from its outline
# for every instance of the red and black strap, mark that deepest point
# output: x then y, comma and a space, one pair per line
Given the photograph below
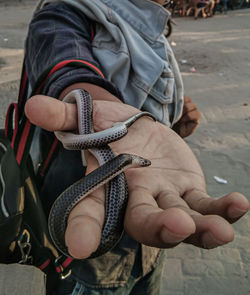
22, 134
62, 265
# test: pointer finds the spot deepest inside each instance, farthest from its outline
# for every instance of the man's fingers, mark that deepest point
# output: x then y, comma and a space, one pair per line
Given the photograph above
150, 225
192, 115
86, 219
188, 128
85, 223
51, 114
212, 217
211, 231
231, 206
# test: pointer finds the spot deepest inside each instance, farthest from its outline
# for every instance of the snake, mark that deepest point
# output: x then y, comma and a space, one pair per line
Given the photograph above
109, 173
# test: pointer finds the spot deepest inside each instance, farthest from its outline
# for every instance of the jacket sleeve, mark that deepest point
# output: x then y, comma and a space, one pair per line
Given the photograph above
59, 32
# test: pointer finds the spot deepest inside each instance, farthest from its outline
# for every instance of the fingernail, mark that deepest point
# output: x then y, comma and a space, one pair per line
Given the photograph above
235, 212
168, 237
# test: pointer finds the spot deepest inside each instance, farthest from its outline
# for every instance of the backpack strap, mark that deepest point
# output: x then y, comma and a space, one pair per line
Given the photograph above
21, 134
45, 76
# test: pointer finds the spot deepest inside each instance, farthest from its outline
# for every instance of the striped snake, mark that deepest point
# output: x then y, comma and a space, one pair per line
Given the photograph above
110, 173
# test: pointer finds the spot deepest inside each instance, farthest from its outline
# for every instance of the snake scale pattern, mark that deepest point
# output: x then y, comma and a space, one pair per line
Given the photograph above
110, 173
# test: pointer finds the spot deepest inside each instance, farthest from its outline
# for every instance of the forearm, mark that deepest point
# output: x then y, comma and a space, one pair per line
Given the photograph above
59, 33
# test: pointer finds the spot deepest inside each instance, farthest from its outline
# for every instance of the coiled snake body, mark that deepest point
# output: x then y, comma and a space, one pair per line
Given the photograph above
110, 173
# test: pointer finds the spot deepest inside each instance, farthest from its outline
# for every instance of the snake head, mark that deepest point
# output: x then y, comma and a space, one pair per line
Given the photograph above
138, 161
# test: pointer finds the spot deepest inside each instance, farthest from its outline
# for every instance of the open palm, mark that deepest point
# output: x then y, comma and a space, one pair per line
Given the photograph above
167, 203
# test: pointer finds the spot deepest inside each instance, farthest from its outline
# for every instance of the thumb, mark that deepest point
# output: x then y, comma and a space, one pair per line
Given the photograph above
51, 114
54, 115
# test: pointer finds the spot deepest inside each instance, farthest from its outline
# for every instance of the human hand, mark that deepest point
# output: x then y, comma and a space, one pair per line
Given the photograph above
168, 202
190, 119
